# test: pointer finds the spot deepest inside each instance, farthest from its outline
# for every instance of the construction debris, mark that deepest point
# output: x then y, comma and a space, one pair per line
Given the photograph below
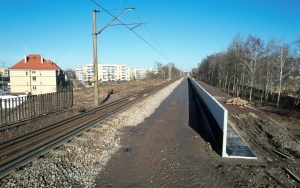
237, 101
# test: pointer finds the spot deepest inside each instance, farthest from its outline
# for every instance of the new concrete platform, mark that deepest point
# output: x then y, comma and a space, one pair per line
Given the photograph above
236, 147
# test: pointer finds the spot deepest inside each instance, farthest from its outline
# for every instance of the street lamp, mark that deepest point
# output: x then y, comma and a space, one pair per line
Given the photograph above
95, 58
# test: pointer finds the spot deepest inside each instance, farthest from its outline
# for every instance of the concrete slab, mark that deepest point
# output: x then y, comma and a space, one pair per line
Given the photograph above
236, 147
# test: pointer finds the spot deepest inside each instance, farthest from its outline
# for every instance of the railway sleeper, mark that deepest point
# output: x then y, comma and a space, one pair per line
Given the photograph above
91, 133
71, 144
59, 152
79, 138
97, 129
108, 123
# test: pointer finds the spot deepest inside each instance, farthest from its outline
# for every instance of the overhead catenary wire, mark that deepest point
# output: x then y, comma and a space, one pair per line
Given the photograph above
149, 31
126, 25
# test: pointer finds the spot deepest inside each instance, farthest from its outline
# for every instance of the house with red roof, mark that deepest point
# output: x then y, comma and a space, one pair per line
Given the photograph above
35, 75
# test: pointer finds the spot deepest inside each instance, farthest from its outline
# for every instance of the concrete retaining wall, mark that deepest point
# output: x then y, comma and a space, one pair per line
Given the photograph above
218, 112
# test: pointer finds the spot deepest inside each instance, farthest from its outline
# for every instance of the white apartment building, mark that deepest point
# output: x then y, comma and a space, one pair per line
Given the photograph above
139, 73
110, 72
85, 73
79, 73
89, 70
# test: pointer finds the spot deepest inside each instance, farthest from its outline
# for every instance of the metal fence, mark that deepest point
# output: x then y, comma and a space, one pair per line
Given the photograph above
17, 109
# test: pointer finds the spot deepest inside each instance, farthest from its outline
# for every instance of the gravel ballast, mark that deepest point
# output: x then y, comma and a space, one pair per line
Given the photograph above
77, 163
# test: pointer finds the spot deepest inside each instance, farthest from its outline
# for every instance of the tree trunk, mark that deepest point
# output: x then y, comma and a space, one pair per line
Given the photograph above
298, 98
262, 94
280, 85
238, 87
251, 86
228, 89
267, 89
225, 84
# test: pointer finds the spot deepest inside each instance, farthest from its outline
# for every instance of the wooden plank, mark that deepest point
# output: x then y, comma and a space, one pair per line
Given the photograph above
285, 155
294, 176
275, 179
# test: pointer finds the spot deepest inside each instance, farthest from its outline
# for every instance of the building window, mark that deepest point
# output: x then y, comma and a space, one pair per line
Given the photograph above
34, 87
34, 78
33, 72
26, 73
41, 83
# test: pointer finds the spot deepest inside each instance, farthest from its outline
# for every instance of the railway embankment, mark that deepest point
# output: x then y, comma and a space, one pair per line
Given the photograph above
77, 162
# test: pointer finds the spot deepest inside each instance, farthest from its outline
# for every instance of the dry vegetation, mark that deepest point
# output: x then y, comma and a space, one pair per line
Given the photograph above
83, 97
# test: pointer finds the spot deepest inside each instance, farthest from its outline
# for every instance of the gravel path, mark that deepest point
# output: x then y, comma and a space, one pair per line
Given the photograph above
76, 164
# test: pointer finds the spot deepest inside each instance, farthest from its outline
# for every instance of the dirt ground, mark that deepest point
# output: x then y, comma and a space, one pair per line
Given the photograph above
83, 97
154, 156
170, 149
266, 129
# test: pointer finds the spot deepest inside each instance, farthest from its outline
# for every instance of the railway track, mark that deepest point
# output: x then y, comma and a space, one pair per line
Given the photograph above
21, 150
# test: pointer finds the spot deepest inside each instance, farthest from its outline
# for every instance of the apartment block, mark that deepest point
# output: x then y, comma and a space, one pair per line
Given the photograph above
79, 73
139, 73
110, 72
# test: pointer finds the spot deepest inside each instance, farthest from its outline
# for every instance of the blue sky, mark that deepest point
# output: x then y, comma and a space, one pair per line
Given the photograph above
183, 31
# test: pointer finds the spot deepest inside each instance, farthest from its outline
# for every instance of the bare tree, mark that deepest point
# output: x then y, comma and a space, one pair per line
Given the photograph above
235, 58
281, 65
204, 69
296, 72
252, 67
160, 69
210, 69
195, 73
252, 55
267, 70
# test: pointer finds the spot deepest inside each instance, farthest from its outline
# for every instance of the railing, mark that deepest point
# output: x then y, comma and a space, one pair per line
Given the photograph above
17, 109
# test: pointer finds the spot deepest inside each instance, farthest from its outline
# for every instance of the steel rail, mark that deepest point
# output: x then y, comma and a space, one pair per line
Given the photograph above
42, 140
58, 123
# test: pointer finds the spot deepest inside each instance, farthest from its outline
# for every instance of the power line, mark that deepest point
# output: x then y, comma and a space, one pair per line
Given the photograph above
139, 36
149, 31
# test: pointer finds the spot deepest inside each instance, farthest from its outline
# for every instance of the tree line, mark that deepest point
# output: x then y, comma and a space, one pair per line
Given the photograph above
164, 71
251, 68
